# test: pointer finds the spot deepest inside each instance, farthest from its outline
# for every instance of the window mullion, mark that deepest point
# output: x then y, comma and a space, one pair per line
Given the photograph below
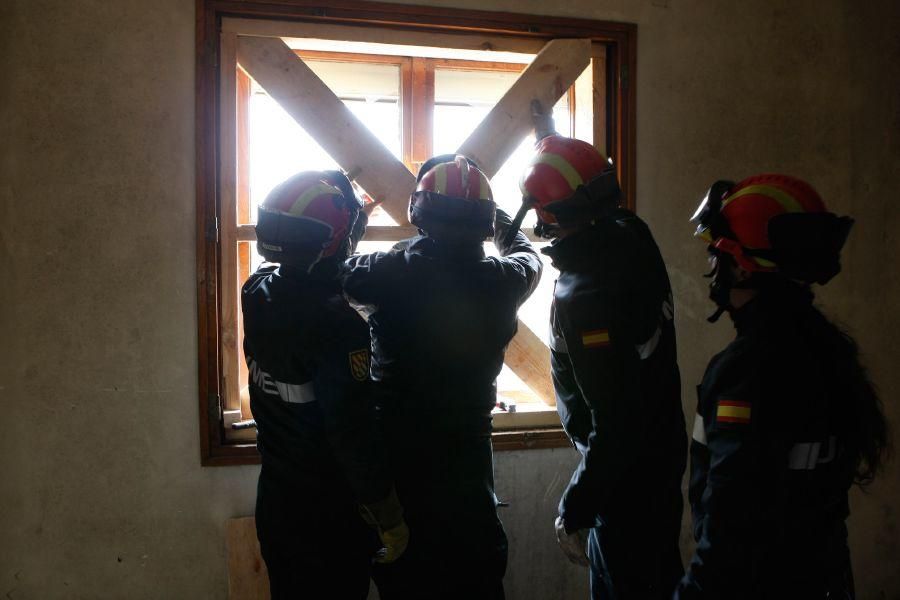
422, 110
601, 100
406, 112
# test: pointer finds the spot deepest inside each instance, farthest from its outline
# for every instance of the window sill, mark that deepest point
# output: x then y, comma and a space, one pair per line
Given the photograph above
244, 453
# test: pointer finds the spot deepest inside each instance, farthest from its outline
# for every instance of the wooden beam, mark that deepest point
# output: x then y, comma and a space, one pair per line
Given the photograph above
243, 203
248, 578
228, 247
374, 233
530, 439
383, 35
529, 358
547, 78
321, 113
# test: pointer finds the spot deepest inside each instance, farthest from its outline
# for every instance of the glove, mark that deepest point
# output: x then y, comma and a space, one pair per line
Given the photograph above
543, 121
386, 517
395, 541
572, 544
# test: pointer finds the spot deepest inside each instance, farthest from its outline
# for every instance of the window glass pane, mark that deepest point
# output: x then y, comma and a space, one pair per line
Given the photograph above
279, 147
462, 100
584, 105
358, 80
536, 311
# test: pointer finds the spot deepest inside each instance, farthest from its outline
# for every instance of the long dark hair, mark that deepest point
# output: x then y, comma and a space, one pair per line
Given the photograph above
855, 409
858, 411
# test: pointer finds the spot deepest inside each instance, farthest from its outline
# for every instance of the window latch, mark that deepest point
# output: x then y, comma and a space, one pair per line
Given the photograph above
212, 230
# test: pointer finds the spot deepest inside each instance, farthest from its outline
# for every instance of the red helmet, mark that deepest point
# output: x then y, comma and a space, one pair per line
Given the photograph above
305, 216
771, 223
567, 180
453, 198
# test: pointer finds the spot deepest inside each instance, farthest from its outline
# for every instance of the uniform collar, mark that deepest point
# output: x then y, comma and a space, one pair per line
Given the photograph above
779, 299
582, 250
325, 274
428, 246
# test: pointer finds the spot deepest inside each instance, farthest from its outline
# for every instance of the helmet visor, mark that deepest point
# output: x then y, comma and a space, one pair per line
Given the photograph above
711, 225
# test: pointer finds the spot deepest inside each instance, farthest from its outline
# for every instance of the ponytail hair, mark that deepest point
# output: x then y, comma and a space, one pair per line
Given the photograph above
857, 409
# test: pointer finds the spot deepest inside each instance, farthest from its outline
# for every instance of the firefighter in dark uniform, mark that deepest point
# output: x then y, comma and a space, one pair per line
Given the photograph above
786, 418
442, 314
615, 374
324, 495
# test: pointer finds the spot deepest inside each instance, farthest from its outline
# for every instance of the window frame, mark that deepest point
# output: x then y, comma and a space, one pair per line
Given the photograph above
617, 131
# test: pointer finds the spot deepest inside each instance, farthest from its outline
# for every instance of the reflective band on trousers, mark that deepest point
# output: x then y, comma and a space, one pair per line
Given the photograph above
296, 393
699, 434
805, 456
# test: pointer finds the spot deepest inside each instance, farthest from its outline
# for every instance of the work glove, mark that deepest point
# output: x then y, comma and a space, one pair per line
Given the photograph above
542, 120
572, 544
394, 542
386, 517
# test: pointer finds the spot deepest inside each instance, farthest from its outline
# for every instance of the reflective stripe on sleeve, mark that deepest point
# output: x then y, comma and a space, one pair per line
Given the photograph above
699, 434
805, 456
296, 393
646, 349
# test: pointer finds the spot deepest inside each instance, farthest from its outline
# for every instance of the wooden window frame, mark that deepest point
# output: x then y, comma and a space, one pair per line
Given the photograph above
490, 30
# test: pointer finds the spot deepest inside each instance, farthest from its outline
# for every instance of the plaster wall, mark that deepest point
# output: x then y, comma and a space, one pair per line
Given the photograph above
102, 493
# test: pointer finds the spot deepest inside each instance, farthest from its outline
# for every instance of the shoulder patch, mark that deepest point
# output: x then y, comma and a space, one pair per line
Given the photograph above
359, 364
733, 411
595, 338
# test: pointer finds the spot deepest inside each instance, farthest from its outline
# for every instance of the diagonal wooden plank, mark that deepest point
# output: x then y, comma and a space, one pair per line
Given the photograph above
321, 113
529, 358
553, 71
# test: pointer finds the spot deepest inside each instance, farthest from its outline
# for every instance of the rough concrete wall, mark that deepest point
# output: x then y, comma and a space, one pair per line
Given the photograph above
103, 496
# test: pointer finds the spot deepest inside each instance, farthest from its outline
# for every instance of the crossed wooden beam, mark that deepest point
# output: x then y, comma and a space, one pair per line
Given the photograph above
300, 92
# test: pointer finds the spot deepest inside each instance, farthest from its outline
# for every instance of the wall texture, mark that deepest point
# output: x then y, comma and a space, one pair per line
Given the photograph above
102, 493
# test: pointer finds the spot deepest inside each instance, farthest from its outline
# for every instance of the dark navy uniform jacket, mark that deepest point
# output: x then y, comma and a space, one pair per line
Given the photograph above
769, 482
441, 317
616, 376
308, 355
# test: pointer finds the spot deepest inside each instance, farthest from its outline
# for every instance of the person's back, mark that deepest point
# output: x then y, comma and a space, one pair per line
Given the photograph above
307, 355
790, 365
615, 374
441, 316
612, 274
298, 333
787, 419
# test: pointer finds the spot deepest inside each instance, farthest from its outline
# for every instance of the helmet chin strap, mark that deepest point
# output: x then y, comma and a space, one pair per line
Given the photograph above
517, 221
545, 230
723, 282
719, 290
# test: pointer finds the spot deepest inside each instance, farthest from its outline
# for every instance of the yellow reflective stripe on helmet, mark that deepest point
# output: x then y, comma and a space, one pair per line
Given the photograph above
313, 192
763, 262
463, 167
562, 166
704, 234
440, 178
783, 198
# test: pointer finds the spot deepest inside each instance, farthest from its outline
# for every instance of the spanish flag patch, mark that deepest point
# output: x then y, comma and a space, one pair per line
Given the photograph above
595, 338
733, 411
